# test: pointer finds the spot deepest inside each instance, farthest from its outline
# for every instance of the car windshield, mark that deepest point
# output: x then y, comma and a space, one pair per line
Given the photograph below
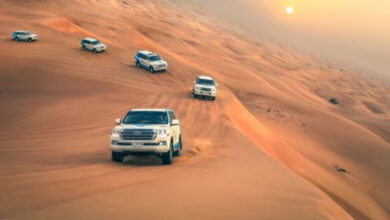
95, 42
146, 117
154, 58
205, 82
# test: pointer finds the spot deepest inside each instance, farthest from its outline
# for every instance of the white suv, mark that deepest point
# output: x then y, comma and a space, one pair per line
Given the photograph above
24, 36
150, 61
92, 45
147, 131
205, 86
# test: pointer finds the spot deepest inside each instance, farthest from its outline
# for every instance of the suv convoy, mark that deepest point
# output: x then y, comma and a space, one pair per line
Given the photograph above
92, 45
24, 36
204, 86
147, 131
150, 61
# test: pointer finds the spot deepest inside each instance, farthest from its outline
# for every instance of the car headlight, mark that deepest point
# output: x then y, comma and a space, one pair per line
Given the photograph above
162, 132
116, 131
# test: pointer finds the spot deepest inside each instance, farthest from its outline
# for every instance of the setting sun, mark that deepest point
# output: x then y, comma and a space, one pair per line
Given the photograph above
195, 109
289, 10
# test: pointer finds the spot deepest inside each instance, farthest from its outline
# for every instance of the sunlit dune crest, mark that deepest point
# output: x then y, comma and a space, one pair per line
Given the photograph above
288, 137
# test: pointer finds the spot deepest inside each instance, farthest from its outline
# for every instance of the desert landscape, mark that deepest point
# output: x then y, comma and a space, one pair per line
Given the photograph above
272, 146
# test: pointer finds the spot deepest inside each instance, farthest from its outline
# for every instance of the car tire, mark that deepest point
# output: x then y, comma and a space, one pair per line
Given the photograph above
138, 64
213, 98
16, 39
94, 50
116, 156
29, 40
167, 157
151, 69
83, 47
177, 153
194, 95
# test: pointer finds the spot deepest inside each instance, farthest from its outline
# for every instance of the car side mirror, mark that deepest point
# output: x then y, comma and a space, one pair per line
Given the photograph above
118, 121
194, 82
216, 84
175, 122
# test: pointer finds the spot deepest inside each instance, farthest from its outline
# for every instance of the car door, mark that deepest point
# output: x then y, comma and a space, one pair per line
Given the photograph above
143, 60
23, 36
26, 35
175, 129
88, 45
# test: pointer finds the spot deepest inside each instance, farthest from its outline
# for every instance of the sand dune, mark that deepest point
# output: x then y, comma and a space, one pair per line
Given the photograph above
271, 146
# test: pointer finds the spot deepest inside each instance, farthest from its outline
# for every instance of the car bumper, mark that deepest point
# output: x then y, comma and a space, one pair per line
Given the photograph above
101, 49
163, 68
154, 146
205, 93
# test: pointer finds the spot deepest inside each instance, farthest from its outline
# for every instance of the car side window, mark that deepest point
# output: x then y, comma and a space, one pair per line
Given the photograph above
173, 115
170, 117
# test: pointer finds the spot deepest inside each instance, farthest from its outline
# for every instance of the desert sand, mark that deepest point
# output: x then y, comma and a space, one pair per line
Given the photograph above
270, 147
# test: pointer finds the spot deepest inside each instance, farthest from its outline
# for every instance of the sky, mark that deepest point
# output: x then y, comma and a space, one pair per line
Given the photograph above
351, 32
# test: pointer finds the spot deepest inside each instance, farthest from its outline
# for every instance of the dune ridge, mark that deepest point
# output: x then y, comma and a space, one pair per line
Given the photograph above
271, 142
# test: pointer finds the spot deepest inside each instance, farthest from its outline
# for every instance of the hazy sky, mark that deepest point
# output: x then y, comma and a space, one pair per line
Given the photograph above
355, 32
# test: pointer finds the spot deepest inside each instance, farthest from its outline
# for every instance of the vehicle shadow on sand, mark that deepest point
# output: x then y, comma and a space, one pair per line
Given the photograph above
147, 160
133, 66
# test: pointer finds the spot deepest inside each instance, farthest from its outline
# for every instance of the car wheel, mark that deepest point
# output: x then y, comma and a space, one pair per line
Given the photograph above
16, 39
94, 50
83, 47
167, 157
116, 156
213, 98
138, 64
29, 40
151, 69
177, 153
194, 95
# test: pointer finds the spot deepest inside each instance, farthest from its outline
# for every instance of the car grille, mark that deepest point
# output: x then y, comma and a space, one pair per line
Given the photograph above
206, 89
138, 134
